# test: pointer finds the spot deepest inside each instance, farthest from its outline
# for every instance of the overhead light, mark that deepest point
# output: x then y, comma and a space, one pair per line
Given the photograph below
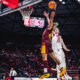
63, 2
78, 1
60, 0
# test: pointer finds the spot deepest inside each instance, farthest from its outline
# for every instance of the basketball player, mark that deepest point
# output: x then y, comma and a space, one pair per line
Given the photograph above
57, 45
46, 45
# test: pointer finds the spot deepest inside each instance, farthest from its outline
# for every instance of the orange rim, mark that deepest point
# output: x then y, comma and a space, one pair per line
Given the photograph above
26, 10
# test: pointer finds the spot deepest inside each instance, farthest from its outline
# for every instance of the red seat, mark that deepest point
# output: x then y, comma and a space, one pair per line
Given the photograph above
8, 78
10, 3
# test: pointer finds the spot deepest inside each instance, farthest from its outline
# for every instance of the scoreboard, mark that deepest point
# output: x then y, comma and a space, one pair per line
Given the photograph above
34, 22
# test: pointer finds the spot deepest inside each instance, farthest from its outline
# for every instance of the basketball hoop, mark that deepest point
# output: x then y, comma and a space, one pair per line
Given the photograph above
26, 12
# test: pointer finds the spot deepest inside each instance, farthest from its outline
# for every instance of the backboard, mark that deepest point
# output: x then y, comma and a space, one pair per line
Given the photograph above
22, 4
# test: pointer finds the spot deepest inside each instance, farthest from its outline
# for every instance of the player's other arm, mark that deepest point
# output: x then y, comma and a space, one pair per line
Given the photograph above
48, 20
47, 16
64, 46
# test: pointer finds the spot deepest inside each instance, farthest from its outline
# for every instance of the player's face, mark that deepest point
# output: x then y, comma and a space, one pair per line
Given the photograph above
11, 68
56, 31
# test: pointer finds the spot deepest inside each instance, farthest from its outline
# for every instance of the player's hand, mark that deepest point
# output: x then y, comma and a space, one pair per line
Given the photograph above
68, 50
53, 69
55, 7
52, 14
46, 14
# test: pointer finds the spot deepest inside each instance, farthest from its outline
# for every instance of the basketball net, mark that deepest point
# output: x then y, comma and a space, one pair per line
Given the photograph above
26, 12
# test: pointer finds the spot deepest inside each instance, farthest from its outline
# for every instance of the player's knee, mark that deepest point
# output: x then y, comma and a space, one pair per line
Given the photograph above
55, 58
59, 63
50, 54
59, 79
44, 59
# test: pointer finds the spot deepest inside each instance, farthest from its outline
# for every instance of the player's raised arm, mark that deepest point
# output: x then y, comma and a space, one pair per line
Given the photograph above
50, 26
48, 20
47, 16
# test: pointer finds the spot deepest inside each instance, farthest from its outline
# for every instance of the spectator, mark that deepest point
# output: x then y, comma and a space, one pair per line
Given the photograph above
12, 72
79, 71
0, 76
4, 76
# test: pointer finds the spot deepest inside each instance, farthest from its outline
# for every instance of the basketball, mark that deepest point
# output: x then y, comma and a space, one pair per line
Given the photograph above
52, 5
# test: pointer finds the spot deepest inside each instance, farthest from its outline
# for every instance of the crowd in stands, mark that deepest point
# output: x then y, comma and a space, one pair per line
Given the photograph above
28, 62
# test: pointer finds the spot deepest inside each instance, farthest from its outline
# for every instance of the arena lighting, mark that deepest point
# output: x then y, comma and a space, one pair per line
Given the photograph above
63, 2
78, 1
60, 0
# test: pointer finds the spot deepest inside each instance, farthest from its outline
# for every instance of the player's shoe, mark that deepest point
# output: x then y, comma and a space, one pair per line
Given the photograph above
62, 71
68, 77
44, 75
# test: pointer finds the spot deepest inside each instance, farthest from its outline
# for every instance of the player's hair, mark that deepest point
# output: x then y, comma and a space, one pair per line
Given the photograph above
58, 30
55, 24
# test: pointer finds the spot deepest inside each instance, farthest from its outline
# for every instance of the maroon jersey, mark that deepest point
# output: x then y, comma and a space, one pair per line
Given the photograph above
46, 40
45, 35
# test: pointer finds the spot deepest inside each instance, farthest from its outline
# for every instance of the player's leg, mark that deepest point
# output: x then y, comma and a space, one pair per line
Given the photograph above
58, 72
61, 67
54, 58
45, 70
64, 64
59, 79
52, 55
45, 61
44, 56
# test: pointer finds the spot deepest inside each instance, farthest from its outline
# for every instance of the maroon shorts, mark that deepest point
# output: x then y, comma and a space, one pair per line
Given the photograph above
46, 47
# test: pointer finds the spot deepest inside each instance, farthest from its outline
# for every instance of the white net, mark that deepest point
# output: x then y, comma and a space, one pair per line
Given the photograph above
26, 12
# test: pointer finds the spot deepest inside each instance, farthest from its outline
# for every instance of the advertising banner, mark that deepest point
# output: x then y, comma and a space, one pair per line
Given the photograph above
24, 78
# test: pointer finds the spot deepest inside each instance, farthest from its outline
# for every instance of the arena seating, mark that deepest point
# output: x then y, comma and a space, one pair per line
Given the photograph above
28, 62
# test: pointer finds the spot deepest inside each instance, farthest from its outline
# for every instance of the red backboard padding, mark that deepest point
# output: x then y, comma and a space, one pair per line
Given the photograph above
10, 3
